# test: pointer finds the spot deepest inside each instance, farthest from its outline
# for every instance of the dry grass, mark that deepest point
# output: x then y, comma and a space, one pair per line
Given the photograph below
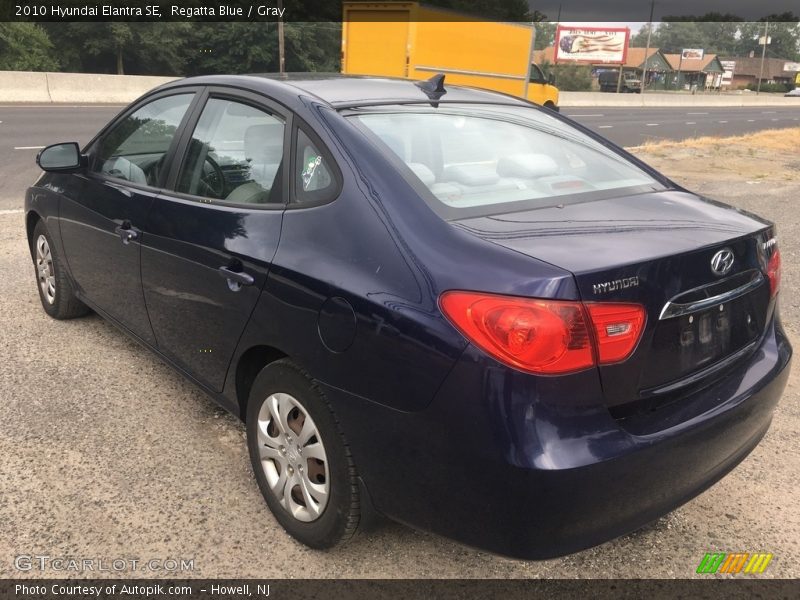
777, 140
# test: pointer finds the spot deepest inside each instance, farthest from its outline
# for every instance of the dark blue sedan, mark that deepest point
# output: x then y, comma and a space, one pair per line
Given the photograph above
443, 305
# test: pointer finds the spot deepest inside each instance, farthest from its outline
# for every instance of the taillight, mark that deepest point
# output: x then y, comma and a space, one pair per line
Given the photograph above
545, 336
539, 336
617, 329
774, 272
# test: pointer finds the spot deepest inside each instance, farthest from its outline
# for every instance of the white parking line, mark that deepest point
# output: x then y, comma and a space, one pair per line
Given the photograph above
11, 211
652, 124
751, 120
605, 126
723, 121
28, 147
774, 119
767, 112
691, 122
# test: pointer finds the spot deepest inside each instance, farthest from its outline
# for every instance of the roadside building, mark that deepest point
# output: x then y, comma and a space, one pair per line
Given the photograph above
694, 73
656, 66
745, 70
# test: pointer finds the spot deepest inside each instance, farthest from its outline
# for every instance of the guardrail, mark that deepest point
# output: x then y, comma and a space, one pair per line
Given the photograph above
656, 99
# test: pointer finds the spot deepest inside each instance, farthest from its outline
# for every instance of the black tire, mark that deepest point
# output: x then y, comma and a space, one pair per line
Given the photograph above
62, 303
549, 105
339, 520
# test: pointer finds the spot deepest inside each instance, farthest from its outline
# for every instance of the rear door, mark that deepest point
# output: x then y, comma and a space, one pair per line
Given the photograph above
102, 223
212, 237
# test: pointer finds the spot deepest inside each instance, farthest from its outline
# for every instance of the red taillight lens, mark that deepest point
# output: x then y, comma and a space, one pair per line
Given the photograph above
617, 329
539, 336
774, 272
545, 336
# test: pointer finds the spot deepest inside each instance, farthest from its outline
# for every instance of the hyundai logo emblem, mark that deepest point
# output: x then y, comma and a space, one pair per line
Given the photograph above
722, 262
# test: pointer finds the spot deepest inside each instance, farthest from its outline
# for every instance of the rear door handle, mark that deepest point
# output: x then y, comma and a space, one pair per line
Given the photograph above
127, 233
236, 279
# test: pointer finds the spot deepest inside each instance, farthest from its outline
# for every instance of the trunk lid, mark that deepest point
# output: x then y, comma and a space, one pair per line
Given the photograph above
655, 249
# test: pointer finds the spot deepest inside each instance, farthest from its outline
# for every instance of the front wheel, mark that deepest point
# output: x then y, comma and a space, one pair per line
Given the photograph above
300, 458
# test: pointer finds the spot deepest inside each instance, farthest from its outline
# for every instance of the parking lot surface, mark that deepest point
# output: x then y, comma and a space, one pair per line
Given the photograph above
107, 453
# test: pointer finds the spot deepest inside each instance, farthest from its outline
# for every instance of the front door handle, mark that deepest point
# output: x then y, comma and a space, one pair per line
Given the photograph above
236, 279
127, 233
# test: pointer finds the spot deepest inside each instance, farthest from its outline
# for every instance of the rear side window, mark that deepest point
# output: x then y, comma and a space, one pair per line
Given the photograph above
314, 178
134, 149
235, 155
489, 159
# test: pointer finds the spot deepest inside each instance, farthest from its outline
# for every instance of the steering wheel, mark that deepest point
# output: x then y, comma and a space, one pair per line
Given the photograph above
212, 183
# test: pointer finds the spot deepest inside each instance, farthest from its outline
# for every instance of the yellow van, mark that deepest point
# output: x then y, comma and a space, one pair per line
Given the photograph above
407, 39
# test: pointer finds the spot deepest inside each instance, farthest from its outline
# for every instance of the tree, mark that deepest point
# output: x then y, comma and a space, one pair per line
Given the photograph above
784, 31
545, 35
25, 47
139, 48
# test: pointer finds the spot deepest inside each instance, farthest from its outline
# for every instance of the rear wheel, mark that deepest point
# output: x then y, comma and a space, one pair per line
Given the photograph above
550, 105
55, 290
300, 458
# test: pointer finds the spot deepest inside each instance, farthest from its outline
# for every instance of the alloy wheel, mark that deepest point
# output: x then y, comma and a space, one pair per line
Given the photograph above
45, 270
293, 457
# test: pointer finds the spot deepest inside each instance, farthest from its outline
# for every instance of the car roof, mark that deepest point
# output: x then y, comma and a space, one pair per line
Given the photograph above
345, 91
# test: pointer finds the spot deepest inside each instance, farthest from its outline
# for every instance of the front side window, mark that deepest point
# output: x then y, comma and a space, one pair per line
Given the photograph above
134, 150
489, 159
235, 155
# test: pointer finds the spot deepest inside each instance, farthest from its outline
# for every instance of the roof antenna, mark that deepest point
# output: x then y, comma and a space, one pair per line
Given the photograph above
433, 88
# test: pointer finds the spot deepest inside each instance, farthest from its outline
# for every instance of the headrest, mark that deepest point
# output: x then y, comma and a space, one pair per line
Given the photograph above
526, 166
425, 175
264, 143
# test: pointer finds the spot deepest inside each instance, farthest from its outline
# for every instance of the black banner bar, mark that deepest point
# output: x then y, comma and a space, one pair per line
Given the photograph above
371, 589
333, 10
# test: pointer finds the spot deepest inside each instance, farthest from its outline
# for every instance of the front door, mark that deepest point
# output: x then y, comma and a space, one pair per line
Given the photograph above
211, 240
102, 220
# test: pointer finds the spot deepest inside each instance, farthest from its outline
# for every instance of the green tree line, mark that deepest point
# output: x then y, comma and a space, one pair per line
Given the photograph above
168, 48
195, 48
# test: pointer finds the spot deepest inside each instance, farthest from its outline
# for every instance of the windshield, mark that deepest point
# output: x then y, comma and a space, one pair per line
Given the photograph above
484, 159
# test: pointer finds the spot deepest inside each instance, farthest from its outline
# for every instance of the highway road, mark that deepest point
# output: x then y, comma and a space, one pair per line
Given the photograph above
25, 129
636, 125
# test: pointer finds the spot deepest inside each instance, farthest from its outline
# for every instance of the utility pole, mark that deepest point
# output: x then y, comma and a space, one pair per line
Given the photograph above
647, 50
281, 52
763, 55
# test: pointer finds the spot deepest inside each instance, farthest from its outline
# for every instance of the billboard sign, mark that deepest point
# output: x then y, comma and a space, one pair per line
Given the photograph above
692, 54
791, 67
728, 68
607, 45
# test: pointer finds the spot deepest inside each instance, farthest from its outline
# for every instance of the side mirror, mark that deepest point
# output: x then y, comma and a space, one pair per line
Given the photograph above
551, 79
61, 158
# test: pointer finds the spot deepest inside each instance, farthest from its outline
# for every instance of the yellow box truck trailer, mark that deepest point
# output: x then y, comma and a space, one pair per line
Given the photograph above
409, 39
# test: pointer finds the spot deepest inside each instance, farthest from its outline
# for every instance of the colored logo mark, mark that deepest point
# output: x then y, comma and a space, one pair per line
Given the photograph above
740, 562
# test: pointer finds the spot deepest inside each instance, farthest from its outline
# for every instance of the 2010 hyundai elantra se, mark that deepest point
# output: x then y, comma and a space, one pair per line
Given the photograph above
445, 305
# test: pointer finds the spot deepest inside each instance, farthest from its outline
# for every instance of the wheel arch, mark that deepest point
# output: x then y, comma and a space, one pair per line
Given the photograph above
248, 367
31, 219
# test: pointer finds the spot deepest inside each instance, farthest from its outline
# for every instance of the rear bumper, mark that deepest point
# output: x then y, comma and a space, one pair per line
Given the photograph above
535, 467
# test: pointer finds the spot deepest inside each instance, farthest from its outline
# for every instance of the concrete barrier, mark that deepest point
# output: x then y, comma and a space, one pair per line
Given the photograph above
87, 88
656, 99
81, 88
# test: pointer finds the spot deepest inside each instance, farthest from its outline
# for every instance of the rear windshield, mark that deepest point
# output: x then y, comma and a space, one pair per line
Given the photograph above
484, 159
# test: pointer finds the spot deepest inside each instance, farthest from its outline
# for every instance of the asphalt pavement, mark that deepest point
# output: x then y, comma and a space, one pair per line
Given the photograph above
637, 125
110, 454
25, 129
